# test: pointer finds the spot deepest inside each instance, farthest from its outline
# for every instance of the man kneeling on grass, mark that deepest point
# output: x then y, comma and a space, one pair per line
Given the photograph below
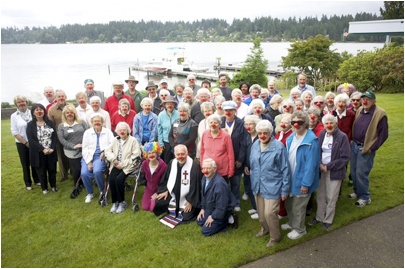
217, 201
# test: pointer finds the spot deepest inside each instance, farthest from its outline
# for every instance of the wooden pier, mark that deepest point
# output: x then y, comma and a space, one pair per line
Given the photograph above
199, 75
276, 73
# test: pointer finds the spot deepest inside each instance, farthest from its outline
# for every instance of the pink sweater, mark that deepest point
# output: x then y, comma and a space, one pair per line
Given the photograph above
219, 149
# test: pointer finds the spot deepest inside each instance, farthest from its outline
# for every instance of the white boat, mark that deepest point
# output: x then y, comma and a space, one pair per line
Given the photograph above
157, 66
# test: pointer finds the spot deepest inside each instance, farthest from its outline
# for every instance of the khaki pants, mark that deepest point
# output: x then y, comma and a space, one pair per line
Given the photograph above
267, 209
327, 196
296, 210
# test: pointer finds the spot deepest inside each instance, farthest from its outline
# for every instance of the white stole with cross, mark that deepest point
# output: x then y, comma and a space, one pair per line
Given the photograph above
184, 181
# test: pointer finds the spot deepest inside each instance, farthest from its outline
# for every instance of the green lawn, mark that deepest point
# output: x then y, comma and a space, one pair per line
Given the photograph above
55, 231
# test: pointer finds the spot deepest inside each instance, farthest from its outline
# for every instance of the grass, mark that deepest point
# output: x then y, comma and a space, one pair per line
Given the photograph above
55, 231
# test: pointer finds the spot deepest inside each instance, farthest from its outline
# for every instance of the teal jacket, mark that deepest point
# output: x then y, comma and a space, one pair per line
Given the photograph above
306, 171
165, 123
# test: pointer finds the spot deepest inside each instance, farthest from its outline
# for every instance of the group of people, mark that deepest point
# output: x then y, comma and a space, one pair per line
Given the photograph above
198, 142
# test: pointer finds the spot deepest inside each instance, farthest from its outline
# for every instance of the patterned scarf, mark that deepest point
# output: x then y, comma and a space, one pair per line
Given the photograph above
25, 115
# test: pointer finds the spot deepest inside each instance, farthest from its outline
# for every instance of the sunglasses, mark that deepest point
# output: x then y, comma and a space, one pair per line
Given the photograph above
300, 122
285, 106
318, 103
358, 100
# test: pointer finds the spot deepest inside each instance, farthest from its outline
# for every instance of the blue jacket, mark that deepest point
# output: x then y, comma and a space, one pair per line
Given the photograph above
165, 123
270, 171
217, 198
138, 127
306, 171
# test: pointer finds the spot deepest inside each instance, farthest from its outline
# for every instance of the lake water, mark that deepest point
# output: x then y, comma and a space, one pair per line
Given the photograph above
26, 69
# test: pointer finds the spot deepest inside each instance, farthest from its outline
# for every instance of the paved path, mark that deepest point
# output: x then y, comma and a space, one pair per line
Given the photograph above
376, 241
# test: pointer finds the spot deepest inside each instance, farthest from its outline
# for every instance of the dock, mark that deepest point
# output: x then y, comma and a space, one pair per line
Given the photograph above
271, 72
199, 75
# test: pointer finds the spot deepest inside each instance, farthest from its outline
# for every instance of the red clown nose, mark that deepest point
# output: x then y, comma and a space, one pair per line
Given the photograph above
228, 113
296, 125
169, 106
282, 125
151, 156
208, 114
238, 99
182, 114
258, 110
82, 101
248, 128
318, 105
262, 137
365, 102
205, 172
330, 101
40, 113
213, 125
340, 105
287, 108
62, 99
180, 158
122, 132
329, 127
49, 95
69, 114
97, 124
295, 97
21, 103
147, 109
255, 95
312, 117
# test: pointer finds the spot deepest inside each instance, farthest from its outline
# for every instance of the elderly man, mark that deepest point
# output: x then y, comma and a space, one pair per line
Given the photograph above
217, 201
55, 115
236, 129
370, 130
157, 103
179, 189
191, 83
95, 103
134, 93
303, 86
165, 86
49, 96
226, 90
271, 87
152, 89
89, 86
203, 95
112, 102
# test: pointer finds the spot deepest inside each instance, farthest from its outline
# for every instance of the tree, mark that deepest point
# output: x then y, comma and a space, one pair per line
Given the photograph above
254, 69
393, 10
313, 57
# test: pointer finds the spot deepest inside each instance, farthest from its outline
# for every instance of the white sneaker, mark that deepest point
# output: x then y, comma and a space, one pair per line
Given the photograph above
245, 197
89, 197
254, 216
252, 211
114, 208
285, 227
29, 188
352, 196
237, 209
281, 217
295, 235
45, 191
121, 207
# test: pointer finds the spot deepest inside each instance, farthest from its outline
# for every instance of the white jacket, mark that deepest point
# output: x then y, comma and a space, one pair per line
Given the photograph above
130, 150
90, 142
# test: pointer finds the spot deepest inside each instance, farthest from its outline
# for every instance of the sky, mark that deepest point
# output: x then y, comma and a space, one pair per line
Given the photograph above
41, 13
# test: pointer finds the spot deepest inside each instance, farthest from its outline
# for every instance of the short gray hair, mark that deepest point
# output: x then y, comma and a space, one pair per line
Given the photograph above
264, 125
183, 106
207, 105
342, 97
257, 102
121, 125
211, 161
146, 99
215, 117
329, 117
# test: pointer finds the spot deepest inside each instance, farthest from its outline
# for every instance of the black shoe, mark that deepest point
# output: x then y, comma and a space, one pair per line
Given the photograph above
54, 189
314, 221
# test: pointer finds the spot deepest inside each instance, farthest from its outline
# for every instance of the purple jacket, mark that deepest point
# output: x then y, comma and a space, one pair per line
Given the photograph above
340, 154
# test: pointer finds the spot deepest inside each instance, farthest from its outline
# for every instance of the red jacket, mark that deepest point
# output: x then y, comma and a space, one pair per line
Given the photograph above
318, 129
287, 134
111, 104
117, 117
345, 124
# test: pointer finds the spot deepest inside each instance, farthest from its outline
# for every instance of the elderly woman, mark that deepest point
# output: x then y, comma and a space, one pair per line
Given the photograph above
121, 154
95, 103
335, 155
95, 140
83, 106
184, 130
218, 105
271, 87
42, 144
355, 100
254, 91
145, 123
273, 108
207, 109
251, 137
330, 103
153, 169
188, 96
271, 180
346, 88
242, 109
299, 104
307, 98
244, 88
178, 89
303, 155
315, 123
286, 107
257, 108
124, 114
294, 94
165, 121
70, 134
217, 145
203, 95
345, 116
264, 95
19, 120
157, 103
215, 92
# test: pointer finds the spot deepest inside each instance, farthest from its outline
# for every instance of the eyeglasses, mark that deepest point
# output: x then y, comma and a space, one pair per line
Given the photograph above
299, 122
358, 100
264, 133
191, 79
286, 106
206, 168
318, 103
249, 124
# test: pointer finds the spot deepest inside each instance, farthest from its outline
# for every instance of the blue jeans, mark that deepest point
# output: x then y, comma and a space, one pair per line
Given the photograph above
216, 226
360, 168
248, 190
234, 183
98, 171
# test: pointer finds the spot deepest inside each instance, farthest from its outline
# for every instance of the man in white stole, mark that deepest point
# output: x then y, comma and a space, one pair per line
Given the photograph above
179, 189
